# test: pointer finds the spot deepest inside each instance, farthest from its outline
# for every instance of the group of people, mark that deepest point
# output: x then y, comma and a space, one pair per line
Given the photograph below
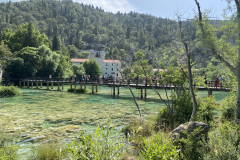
217, 82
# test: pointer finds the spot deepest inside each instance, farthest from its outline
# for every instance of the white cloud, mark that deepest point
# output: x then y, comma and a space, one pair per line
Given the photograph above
110, 5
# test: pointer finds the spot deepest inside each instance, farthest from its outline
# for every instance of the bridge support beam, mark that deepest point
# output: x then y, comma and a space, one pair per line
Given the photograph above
37, 84
32, 84
71, 85
80, 85
62, 86
47, 85
51, 85
92, 89
141, 93
145, 93
118, 91
41, 84
28, 84
96, 88
20, 84
24, 84
75, 85
209, 92
113, 90
58, 86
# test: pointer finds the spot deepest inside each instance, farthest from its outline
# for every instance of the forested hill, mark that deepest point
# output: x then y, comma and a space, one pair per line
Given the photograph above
87, 27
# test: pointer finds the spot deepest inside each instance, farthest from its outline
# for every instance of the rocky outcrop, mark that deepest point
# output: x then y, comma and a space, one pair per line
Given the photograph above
187, 128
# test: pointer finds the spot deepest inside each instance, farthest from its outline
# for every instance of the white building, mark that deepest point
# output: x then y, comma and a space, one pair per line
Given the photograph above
110, 68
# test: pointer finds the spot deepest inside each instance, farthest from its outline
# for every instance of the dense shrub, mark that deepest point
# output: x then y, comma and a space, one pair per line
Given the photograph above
158, 147
228, 107
206, 108
9, 91
182, 110
101, 144
224, 142
78, 90
8, 153
193, 146
50, 151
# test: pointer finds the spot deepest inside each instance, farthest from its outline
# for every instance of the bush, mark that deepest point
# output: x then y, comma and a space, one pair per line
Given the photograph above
182, 110
136, 132
48, 151
192, 147
8, 153
206, 108
158, 147
78, 90
9, 91
101, 144
228, 107
224, 142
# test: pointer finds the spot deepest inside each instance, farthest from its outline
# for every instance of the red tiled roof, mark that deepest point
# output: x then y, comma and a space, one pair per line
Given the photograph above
79, 60
111, 61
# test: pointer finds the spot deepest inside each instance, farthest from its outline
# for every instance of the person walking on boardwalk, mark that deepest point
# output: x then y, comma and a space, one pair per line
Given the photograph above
216, 82
205, 80
50, 77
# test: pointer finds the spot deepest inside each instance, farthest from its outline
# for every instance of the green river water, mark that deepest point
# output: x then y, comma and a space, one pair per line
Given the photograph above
39, 116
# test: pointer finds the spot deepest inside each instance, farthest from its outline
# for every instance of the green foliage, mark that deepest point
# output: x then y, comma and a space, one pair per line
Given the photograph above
25, 36
74, 53
40, 62
79, 71
87, 27
158, 147
78, 90
182, 110
192, 147
92, 68
228, 107
8, 153
9, 91
127, 71
56, 44
5, 54
172, 75
224, 142
101, 144
205, 110
48, 151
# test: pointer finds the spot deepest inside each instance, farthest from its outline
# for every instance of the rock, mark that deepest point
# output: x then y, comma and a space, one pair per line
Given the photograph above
187, 128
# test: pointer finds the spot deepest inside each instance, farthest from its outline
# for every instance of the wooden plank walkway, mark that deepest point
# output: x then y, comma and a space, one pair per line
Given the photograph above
39, 82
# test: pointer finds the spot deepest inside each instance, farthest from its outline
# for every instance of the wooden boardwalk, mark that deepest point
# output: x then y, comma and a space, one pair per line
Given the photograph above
40, 82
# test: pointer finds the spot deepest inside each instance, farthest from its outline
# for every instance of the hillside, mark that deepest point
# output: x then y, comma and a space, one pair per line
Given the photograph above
86, 27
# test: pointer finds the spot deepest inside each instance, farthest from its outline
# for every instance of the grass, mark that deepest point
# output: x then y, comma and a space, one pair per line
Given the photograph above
40, 115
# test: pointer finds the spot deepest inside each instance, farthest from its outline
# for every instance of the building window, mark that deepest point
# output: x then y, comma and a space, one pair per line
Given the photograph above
106, 68
106, 73
112, 69
112, 64
117, 74
106, 64
117, 69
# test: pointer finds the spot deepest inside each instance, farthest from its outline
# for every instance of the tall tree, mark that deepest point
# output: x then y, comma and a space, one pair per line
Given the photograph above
92, 68
56, 44
225, 51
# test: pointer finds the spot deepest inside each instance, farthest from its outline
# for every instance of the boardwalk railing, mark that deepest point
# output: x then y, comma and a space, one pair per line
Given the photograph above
143, 85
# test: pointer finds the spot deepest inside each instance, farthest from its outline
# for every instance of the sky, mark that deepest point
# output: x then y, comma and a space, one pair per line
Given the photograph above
160, 8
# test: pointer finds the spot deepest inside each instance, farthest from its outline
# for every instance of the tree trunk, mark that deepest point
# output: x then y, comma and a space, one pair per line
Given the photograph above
236, 69
190, 82
238, 64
